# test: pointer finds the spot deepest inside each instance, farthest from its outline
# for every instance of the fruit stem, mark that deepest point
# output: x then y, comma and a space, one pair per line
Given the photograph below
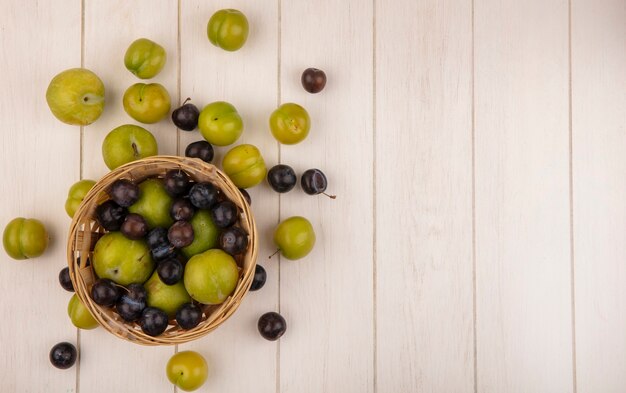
136, 152
92, 99
188, 99
330, 196
275, 252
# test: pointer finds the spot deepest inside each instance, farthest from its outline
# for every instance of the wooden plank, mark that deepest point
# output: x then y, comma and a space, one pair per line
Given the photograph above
246, 78
599, 179
110, 27
327, 297
34, 305
523, 262
424, 196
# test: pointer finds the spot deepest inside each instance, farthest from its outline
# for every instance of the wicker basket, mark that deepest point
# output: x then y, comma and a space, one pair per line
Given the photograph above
85, 231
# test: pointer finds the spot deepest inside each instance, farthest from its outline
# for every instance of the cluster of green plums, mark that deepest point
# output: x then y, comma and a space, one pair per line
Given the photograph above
167, 252
175, 237
77, 96
221, 124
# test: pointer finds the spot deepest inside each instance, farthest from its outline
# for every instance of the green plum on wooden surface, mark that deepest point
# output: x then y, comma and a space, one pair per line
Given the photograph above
76, 195
168, 298
25, 238
122, 260
228, 29
211, 277
76, 96
294, 237
206, 234
80, 316
244, 165
145, 58
128, 143
147, 103
154, 204
220, 124
290, 124
188, 370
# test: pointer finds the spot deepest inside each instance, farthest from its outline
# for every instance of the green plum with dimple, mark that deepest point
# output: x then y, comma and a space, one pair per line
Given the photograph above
168, 298
294, 237
290, 124
80, 315
76, 96
154, 203
25, 238
147, 103
228, 29
122, 260
145, 58
188, 370
220, 124
205, 232
244, 165
128, 143
76, 195
211, 277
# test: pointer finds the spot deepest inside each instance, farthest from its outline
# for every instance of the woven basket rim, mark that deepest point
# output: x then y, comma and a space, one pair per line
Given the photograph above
84, 223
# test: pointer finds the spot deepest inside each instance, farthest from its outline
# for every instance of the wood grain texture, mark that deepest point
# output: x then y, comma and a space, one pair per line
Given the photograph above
34, 306
110, 27
524, 321
424, 197
326, 297
599, 179
440, 117
247, 79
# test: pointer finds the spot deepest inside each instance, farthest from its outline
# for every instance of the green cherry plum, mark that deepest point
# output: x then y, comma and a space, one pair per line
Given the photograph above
294, 237
145, 58
244, 165
128, 143
147, 103
220, 124
206, 234
154, 204
228, 29
122, 260
168, 298
25, 238
76, 96
188, 370
76, 194
79, 315
211, 277
290, 124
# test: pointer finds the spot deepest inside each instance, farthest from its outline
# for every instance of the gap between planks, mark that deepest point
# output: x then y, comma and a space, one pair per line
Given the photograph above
473, 137
374, 213
80, 172
571, 194
278, 102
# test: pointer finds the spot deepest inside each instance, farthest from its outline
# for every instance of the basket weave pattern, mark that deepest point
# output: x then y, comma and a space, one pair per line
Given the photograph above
85, 232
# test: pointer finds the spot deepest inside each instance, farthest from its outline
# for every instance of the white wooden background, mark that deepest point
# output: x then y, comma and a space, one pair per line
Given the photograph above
478, 151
